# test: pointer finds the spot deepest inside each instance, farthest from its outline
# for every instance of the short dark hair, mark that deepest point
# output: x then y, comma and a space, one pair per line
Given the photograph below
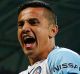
38, 4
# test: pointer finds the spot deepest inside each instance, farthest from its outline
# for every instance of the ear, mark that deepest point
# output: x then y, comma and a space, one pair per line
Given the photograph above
53, 30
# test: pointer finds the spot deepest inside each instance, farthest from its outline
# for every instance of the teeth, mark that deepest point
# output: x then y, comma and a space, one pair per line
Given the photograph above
28, 39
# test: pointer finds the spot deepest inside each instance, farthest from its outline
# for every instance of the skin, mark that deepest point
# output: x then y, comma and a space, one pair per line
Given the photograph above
42, 30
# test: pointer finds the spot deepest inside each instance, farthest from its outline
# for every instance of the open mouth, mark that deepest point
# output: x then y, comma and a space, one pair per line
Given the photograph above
29, 39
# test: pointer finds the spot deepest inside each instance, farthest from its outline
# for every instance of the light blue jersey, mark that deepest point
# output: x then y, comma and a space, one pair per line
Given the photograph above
63, 61
59, 61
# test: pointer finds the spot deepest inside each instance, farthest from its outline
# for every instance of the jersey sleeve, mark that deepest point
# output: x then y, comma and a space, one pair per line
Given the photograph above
64, 62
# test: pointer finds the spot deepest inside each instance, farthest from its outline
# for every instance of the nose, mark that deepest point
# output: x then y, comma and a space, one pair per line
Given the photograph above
26, 28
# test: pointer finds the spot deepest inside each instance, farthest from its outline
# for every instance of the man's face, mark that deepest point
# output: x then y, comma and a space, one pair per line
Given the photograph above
33, 31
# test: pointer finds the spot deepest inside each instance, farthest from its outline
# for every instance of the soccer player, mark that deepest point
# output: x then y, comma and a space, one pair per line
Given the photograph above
37, 29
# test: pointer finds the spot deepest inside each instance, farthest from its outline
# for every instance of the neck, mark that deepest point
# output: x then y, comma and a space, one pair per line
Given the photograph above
43, 55
34, 60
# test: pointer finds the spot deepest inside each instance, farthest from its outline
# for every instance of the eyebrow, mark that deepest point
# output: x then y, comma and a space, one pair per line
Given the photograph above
28, 19
32, 19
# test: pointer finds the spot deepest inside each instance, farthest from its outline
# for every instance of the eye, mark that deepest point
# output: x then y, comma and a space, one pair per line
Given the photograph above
33, 21
21, 23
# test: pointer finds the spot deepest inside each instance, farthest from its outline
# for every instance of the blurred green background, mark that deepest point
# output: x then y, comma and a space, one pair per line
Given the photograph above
12, 59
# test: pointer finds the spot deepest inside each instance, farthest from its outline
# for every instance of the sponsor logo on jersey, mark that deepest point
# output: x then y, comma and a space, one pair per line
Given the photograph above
65, 65
37, 70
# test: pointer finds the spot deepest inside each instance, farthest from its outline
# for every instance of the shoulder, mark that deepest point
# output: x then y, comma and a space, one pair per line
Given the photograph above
63, 55
63, 52
63, 59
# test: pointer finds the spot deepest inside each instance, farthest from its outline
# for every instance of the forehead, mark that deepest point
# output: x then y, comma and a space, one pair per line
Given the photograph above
31, 12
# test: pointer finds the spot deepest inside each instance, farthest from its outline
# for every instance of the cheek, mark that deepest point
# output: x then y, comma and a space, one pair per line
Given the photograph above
19, 37
39, 30
42, 35
19, 34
